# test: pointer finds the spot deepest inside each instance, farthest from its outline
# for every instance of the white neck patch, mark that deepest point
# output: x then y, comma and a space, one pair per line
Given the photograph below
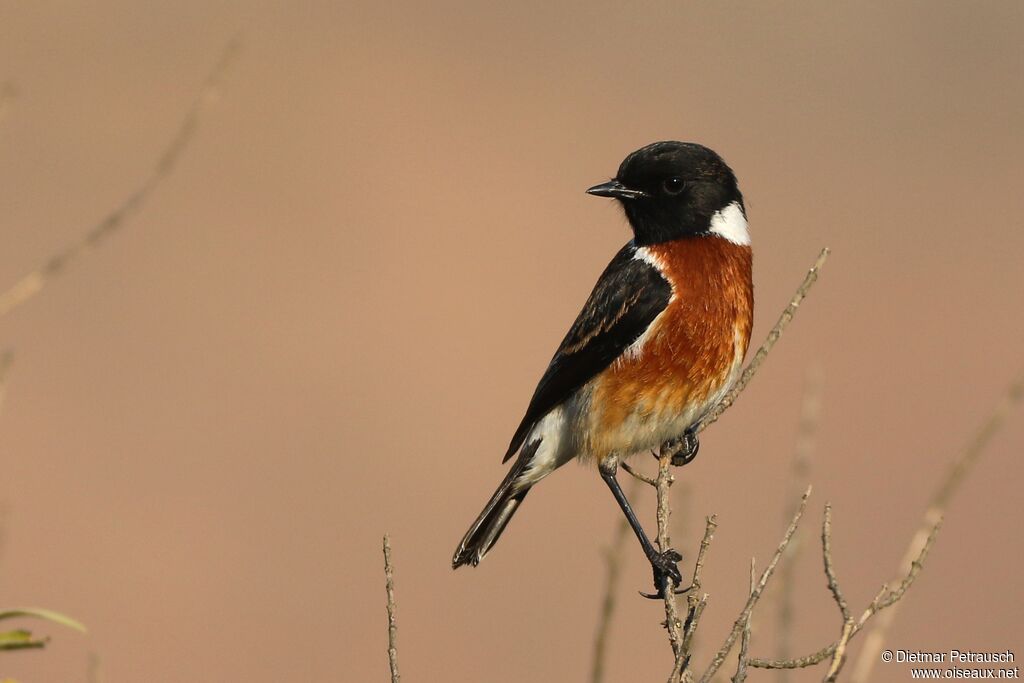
730, 224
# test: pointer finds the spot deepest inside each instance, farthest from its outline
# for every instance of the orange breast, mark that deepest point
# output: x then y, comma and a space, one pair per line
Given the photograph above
689, 355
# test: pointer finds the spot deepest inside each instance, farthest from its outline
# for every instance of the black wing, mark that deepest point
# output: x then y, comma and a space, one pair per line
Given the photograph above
629, 294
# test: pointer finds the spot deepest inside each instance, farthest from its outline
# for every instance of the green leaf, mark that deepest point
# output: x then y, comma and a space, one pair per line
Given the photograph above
20, 639
39, 613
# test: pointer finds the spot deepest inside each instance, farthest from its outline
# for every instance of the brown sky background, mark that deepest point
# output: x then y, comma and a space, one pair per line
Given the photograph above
326, 323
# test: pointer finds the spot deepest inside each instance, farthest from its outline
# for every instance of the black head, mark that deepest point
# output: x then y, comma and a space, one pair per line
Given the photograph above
671, 190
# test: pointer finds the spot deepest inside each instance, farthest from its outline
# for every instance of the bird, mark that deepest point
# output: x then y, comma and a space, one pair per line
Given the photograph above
658, 344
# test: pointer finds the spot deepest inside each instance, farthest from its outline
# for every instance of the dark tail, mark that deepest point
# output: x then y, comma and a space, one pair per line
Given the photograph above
488, 526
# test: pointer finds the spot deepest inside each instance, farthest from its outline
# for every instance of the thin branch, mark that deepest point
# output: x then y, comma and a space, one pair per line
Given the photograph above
693, 621
954, 479
795, 662
800, 471
915, 568
830, 571
885, 598
389, 586
614, 557
673, 624
920, 545
755, 594
741, 661
638, 475
711, 523
773, 336
31, 284
839, 656
695, 604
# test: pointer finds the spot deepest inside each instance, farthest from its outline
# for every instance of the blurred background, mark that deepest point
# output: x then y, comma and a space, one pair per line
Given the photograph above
326, 323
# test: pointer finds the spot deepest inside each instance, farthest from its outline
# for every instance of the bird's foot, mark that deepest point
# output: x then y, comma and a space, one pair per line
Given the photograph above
684, 449
666, 574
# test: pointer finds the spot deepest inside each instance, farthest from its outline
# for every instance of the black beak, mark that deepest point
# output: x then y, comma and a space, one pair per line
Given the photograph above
613, 188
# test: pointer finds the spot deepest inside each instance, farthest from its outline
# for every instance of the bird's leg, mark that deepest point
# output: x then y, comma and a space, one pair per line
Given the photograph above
664, 563
684, 449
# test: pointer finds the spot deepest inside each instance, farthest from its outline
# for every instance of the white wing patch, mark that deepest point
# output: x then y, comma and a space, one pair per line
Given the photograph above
731, 224
555, 431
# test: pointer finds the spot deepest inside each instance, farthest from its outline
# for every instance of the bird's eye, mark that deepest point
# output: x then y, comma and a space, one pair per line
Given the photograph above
674, 185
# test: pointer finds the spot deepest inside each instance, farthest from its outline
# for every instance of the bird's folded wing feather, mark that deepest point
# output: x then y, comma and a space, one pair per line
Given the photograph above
628, 296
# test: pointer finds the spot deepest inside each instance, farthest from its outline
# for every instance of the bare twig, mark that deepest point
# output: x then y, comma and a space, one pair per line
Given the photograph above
696, 600
885, 598
613, 561
673, 624
830, 571
958, 472
892, 597
389, 586
755, 594
773, 336
638, 475
681, 632
917, 552
839, 656
30, 285
710, 524
693, 621
741, 661
806, 438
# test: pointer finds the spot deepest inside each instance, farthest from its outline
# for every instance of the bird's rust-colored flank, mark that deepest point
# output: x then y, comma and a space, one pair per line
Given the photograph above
691, 351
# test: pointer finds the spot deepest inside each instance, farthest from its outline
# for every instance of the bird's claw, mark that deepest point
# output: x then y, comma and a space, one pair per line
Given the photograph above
688, 447
684, 449
659, 596
666, 569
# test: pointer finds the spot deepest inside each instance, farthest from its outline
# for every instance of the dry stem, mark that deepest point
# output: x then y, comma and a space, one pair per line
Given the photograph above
389, 586
673, 624
695, 604
755, 594
830, 571
638, 475
885, 598
800, 470
952, 482
917, 552
839, 656
741, 661
31, 284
